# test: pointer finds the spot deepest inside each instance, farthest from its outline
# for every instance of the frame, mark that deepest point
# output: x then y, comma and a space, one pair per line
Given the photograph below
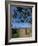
9, 7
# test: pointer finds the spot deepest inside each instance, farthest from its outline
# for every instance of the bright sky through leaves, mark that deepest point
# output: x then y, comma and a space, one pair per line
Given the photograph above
21, 17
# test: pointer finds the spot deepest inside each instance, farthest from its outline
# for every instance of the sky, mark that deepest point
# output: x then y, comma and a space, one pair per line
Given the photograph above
20, 17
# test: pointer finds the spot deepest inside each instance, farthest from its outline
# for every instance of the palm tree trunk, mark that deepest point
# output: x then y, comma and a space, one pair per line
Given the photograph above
26, 31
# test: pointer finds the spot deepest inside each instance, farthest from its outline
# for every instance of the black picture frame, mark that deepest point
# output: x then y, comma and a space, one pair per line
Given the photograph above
6, 30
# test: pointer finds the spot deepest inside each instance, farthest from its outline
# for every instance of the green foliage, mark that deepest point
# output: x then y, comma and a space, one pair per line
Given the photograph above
15, 33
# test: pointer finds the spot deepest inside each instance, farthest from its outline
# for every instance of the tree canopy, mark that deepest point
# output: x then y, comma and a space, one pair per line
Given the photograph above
20, 14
